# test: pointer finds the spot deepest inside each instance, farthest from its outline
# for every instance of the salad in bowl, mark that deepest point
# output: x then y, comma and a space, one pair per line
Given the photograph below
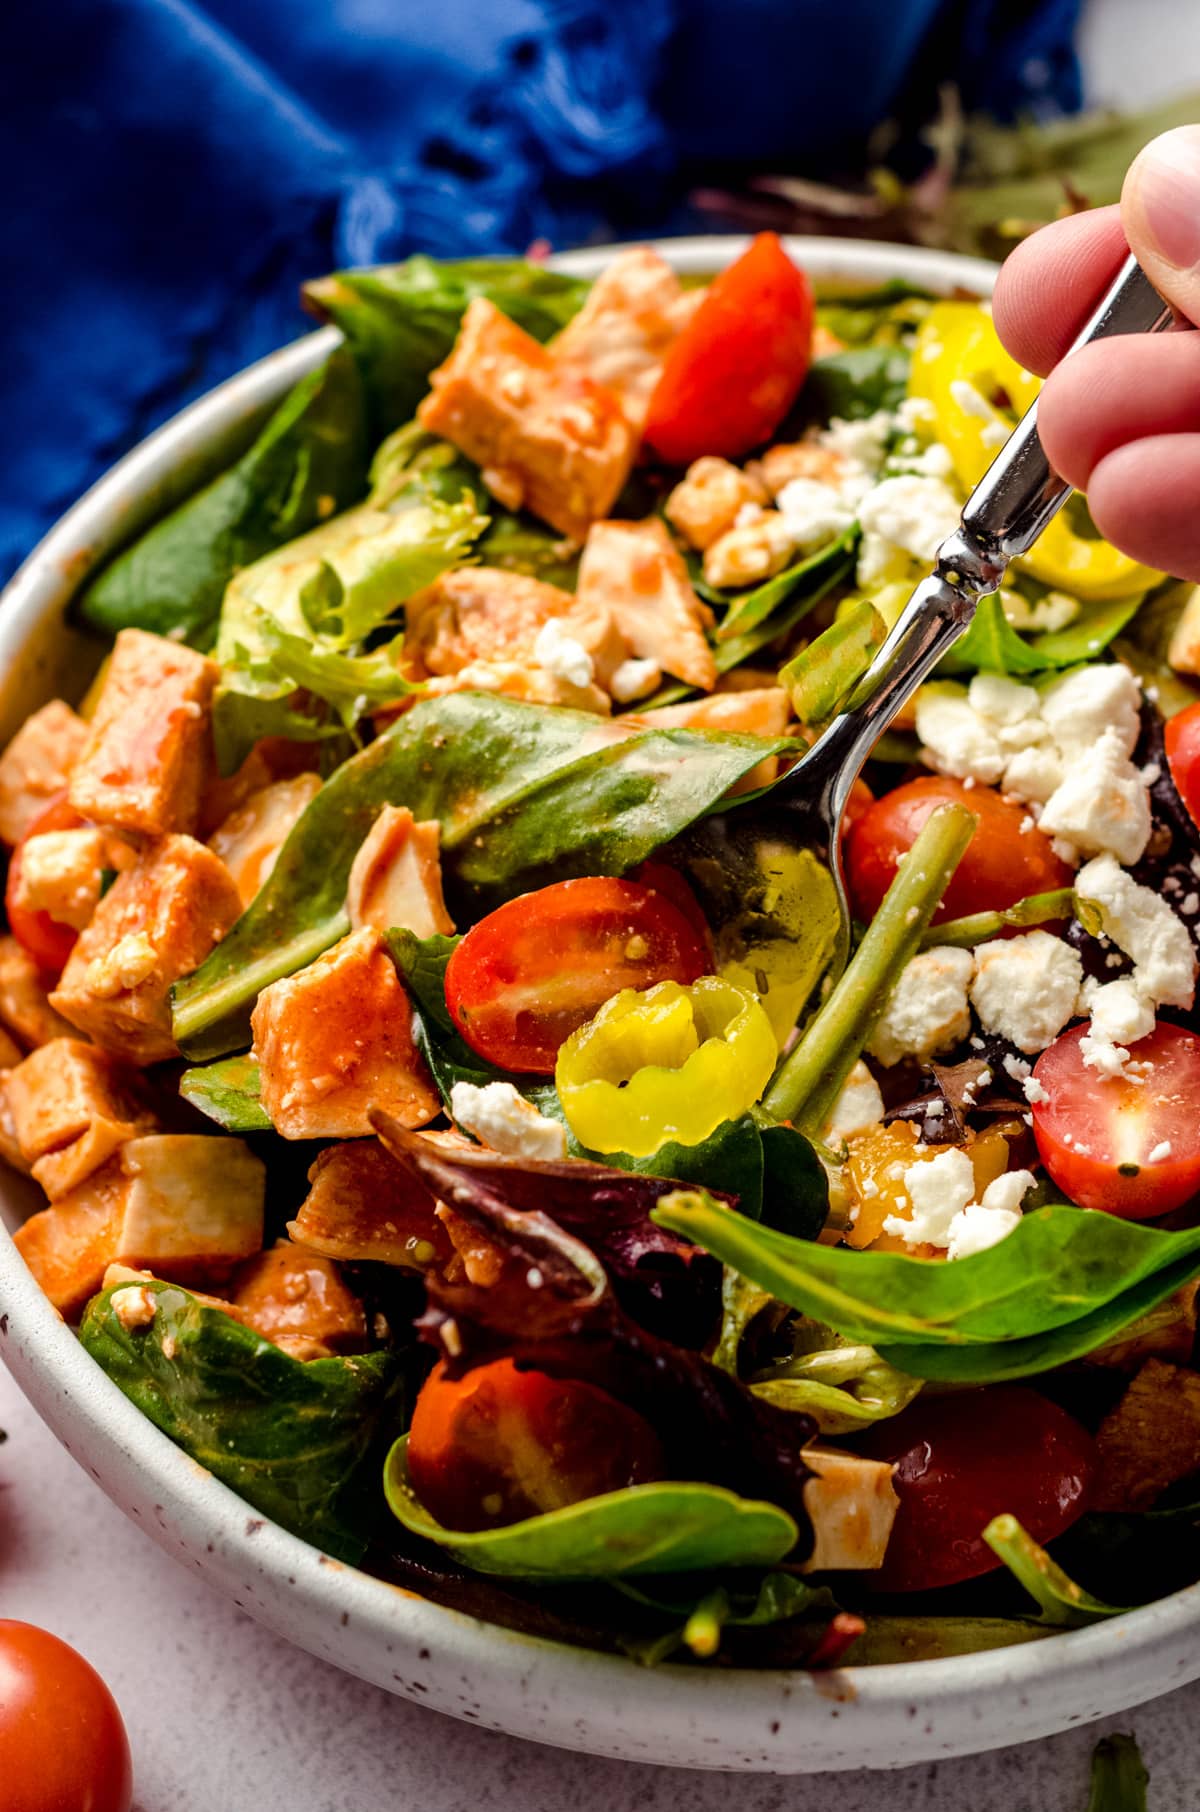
452, 1148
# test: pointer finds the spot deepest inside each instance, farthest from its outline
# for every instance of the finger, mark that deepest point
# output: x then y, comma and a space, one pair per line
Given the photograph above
1160, 212
1117, 391
1143, 499
1051, 283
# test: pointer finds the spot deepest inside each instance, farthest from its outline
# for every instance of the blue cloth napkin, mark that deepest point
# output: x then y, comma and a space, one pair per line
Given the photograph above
177, 166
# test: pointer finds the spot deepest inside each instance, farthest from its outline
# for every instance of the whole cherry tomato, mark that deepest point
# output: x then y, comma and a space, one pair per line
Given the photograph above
1007, 859
501, 1444
1182, 738
1130, 1143
528, 974
48, 942
963, 1459
63, 1746
737, 367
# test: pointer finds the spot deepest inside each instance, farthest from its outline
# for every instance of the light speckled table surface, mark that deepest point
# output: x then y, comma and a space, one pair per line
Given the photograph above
225, 1717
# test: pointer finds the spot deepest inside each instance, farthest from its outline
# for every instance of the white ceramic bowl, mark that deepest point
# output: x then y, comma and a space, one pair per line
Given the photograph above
884, 1717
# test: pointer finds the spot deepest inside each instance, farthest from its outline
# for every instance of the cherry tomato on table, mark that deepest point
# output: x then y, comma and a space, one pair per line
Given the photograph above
528, 974
736, 369
63, 1746
1182, 738
963, 1459
47, 942
1007, 859
1130, 1143
501, 1444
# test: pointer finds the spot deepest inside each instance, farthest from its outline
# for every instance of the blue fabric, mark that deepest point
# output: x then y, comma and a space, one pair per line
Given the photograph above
177, 166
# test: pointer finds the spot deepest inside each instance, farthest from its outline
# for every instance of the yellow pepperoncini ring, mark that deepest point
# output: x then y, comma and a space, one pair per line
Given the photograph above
668, 1063
958, 364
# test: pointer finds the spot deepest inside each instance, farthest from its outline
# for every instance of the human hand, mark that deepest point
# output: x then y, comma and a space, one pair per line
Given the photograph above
1120, 419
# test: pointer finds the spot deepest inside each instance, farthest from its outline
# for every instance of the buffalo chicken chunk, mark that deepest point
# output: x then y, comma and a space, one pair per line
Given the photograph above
336, 1040
158, 921
635, 571
148, 752
396, 877
252, 836
73, 1105
36, 766
298, 1300
545, 438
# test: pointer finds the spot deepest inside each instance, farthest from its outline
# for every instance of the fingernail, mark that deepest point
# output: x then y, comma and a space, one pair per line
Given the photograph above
1167, 177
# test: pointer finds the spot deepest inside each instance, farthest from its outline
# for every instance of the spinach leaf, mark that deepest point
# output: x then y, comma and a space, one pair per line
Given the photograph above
795, 1186
660, 1528
992, 645
309, 460
857, 382
1064, 1280
729, 1161
297, 1439
401, 320
524, 795
229, 1093
1119, 1777
1061, 1602
750, 608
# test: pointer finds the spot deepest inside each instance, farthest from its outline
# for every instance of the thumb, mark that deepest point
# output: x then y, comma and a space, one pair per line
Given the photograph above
1160, 214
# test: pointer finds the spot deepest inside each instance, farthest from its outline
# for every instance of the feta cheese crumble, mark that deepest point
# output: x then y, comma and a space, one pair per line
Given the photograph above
857, 1108
1026, 988
928, 1010
945, 1212
1121, 1015
500, 1117
1140, 922
814, 512
561, 655
909, 515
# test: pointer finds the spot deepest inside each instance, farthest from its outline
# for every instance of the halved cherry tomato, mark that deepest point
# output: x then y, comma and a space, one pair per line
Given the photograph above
667, 880
62, 1743
1131, 1143
501, 1444
962, 1460
1007, 859
526, 976
48, 942
737, 367
1182, 738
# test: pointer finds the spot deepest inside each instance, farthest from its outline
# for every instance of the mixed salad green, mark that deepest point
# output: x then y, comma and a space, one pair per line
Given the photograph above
458, 1150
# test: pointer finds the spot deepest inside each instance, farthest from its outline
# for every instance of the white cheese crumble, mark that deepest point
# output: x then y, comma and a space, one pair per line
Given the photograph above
945, 1212
1026, 988
857, 1108
814, 512
134, 1306
907, 515
928, 1010
498, 1116
1141, 923
1103, 802
1121, 1015
634, 679
560, 654
1160, 1153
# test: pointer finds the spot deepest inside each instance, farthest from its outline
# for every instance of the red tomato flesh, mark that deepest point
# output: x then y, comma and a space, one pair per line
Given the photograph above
526, 976
63, 1746
501, 1444
47, 942
1003, 863
963, 1459
737, 367
1129, 1144
1182, 738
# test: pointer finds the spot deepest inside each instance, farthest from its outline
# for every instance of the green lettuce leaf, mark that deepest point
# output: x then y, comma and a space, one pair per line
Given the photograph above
297, 1439
750, 608
660, 1528
524, 794
1064, 1280
856, 383
309, 461
1060, 1601
401, 320
992, 645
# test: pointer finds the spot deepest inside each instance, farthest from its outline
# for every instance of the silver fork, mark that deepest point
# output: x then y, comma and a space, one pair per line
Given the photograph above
739, 857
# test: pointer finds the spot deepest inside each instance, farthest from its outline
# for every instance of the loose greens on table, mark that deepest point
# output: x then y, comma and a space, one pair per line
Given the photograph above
477, 1161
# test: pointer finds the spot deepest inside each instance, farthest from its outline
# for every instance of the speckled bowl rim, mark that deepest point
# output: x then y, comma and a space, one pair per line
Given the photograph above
883, 1717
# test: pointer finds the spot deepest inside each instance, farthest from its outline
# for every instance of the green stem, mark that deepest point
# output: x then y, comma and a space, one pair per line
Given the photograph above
1062, 1602
1037, 909
809, 1079
823, 675
702, 1631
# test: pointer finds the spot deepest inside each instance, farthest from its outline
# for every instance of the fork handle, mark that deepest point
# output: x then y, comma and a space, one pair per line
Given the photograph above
1019, 493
